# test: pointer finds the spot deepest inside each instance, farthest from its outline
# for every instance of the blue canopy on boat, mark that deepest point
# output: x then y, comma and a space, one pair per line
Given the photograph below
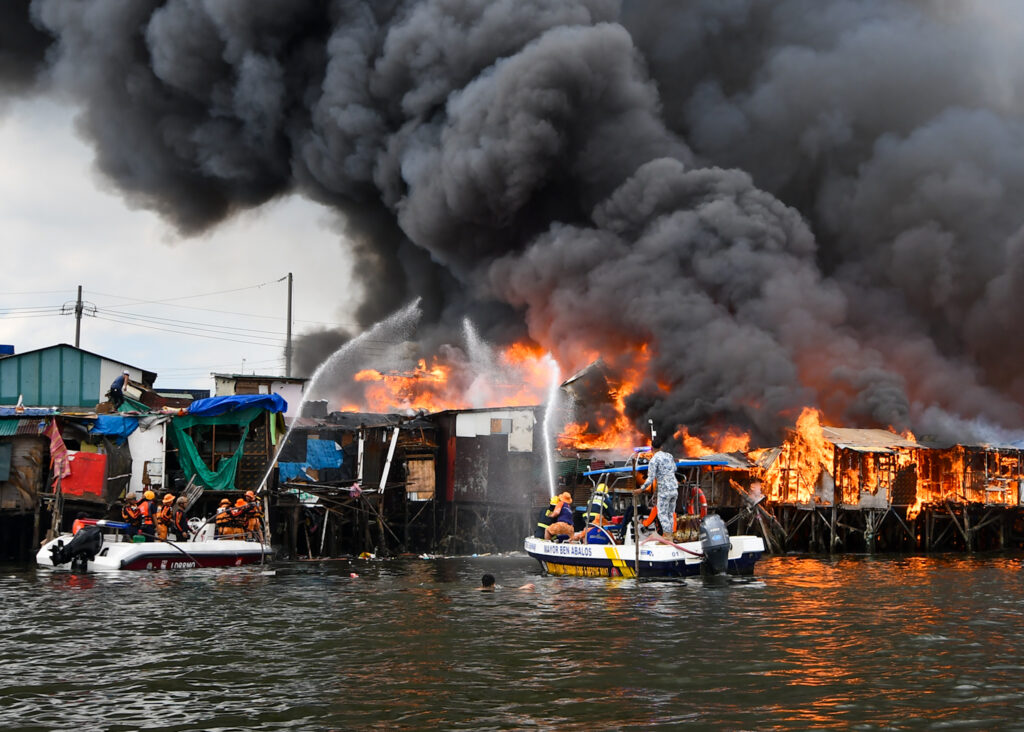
215, 406
641, 468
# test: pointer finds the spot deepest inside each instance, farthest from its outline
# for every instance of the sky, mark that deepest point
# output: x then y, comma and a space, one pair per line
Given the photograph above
180, 306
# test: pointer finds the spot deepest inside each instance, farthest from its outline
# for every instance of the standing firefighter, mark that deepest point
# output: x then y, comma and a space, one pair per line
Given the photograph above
222, 517
130, 513
178, 521
163, 517
599, 510
254, 514
661, 471
147, 511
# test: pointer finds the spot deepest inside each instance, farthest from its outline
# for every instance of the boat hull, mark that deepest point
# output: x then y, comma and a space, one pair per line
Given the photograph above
655, 560
158, 555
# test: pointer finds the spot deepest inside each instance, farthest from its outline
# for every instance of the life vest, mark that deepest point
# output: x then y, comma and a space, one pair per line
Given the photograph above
546, 518
147, 510
179, 523
163, 514
600, 507
130, 513
698, 504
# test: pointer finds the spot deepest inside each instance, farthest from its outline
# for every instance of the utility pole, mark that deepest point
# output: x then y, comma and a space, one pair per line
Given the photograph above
288, 343
78, 317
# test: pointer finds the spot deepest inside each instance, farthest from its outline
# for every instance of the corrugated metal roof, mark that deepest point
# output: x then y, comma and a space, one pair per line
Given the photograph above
8, 426
867, 440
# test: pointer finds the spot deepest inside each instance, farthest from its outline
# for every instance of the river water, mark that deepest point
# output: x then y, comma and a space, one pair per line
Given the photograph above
810, 643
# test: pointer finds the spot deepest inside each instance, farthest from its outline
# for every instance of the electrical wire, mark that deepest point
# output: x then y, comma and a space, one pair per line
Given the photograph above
174, 321
188, 297
279, 344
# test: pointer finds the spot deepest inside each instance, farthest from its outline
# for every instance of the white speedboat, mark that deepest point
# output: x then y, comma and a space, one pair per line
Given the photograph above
106, 545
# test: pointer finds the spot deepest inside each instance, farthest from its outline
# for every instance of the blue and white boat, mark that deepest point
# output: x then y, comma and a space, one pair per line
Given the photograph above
610, 553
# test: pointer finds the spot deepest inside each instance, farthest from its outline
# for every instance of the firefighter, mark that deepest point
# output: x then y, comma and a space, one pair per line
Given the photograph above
254, 517
147, 513
178, 520
547, 516
238, 518
130, 513
221, 518
163, 517
599, 510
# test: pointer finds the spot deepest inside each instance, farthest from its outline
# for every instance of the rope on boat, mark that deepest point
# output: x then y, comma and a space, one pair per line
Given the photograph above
663, 540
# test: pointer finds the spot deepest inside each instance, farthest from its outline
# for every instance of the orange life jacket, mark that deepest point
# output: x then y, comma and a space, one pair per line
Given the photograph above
163, 514
146, 510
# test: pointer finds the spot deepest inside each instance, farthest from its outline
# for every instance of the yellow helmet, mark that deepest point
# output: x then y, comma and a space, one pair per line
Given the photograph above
602, 488
169, 498
149, 495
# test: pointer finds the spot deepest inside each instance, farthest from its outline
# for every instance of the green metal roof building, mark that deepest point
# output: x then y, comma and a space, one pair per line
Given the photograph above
62, 376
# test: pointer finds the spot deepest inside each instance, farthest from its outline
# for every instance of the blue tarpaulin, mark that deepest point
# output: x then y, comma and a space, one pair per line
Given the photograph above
292, 471
116, 426
319, 454
323, 454
221, 405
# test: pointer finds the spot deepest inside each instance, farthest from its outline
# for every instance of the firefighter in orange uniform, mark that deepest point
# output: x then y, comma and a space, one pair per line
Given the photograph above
222, 517
238, 518
130, 513
147, 513
254, 522
163, 517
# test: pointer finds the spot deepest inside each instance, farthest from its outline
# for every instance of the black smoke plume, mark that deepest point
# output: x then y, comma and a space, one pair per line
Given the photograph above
789, 203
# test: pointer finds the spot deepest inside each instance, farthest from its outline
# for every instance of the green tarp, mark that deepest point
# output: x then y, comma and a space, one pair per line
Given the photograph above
223, 477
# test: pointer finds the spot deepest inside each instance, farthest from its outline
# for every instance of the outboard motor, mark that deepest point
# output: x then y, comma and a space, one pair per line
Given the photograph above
83, 547
714, 542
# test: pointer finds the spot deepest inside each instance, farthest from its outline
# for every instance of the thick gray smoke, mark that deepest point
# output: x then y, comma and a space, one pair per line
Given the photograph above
790, 203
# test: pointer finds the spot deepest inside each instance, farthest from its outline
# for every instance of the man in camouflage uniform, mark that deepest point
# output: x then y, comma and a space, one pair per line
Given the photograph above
662, 468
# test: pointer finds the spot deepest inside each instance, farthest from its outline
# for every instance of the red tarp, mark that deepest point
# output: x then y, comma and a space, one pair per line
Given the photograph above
88, 471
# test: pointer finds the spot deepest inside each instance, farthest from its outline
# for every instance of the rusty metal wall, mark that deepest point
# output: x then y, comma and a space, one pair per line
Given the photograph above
28, 474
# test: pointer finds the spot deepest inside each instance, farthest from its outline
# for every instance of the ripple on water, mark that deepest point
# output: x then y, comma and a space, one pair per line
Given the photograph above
814, 643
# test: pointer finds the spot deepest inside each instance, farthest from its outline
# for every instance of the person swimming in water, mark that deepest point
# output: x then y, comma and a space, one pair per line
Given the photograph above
487, 584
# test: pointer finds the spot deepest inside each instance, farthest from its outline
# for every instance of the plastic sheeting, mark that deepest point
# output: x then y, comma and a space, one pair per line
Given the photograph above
222, 477
215, 406
115, 426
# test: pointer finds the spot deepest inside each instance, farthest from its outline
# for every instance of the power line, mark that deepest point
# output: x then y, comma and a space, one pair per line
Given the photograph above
186, 297
174, 321
227, 312
188, 332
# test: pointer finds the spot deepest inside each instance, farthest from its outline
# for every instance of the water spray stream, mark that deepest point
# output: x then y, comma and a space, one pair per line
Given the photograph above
549, 409
403, 319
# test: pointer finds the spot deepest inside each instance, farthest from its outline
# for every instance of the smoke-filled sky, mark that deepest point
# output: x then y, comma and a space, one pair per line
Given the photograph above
790, 203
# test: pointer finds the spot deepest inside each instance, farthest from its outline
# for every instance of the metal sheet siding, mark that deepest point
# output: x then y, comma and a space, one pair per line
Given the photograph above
49, 378
8, 380
53, 377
